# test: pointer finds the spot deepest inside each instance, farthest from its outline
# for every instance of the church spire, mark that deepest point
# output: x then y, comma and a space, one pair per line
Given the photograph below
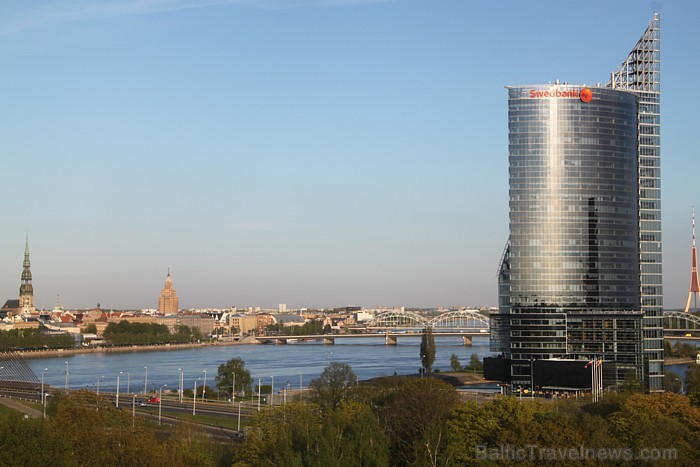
26, 290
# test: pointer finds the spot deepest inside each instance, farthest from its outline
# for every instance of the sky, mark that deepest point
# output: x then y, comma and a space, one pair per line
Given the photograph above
317, 153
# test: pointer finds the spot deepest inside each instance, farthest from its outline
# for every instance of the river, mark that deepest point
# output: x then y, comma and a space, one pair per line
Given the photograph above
368, 358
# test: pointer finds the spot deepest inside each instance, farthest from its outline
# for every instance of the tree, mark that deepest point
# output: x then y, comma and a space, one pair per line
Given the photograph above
334, 384
225, 376
475, 364
692, 384
672, 382
91, 329
455, 363
631, 383
302, 435
415, 417
427, 349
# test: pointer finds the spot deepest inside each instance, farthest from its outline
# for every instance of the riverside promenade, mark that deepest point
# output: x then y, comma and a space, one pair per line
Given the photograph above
48, 353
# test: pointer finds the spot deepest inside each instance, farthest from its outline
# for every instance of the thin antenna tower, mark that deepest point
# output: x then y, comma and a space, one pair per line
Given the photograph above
694, 281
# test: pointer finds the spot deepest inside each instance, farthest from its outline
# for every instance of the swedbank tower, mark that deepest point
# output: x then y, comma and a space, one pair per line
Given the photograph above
581, 273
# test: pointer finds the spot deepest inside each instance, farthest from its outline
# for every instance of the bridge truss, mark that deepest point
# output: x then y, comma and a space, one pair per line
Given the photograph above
680, 320
471, 320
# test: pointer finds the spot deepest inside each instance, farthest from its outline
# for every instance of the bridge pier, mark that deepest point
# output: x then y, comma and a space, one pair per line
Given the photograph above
390, 340
328, 341
467, 341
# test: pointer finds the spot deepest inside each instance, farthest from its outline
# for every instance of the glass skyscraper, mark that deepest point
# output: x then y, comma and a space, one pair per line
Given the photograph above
581, 274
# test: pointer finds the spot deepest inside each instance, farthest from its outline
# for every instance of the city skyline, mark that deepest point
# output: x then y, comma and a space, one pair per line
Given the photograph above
311, 153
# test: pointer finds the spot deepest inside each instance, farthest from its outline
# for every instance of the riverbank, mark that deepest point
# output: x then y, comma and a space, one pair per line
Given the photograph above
679, 360
455, 379
48, 353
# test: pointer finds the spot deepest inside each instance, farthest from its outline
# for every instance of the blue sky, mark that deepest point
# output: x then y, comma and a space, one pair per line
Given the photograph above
314, 153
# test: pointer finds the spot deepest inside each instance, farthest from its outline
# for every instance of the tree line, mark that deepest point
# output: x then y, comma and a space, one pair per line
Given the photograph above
127, 333
412, 421
314, 327
31, 339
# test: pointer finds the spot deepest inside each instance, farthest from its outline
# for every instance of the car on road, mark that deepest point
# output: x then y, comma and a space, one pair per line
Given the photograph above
153, 400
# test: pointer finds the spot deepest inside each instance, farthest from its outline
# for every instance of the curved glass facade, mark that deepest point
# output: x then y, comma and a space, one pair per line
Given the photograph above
573, 199
580, 276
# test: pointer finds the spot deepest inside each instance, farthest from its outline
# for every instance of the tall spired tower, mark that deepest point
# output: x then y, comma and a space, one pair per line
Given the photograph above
26, 290
694, 281
168, 301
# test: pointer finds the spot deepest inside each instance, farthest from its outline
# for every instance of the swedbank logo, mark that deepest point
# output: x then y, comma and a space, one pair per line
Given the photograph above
584, 94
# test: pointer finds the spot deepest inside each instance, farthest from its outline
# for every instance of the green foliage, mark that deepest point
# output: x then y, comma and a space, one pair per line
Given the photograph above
333, 385
127, 333
225, 377
303, 435
633, 421
30, 339
427, 349
91, 328
86, 429
506, 422
692, 384
415, 414
659, 420
475, 364
455, 363
28, 442
631, 384
397, 421
679, 349
672, 382
314, 327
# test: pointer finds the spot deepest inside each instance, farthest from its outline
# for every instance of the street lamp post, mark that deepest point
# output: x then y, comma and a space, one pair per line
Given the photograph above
258, 394
43, 394
117, 400
233, 389
194, 399
66, 376
301, 389
180, 389
272, 392
160, 402
128, 382
239, 416
204, 385
145, 381
98, 385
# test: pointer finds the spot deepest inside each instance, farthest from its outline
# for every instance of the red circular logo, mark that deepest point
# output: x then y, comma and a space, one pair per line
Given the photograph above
586, 95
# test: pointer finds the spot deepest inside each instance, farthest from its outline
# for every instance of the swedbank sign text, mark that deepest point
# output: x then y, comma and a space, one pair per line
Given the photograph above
584, 94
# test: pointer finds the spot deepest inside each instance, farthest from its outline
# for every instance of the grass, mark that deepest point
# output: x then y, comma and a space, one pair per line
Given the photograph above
7, 410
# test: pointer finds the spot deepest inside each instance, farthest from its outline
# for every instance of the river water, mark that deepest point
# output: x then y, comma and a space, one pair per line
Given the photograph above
368, 358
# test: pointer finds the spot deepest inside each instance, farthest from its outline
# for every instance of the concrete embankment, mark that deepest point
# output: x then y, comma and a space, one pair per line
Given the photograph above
678, 360
48, 353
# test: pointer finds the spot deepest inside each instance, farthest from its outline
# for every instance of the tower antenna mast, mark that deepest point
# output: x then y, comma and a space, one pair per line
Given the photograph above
694, 281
